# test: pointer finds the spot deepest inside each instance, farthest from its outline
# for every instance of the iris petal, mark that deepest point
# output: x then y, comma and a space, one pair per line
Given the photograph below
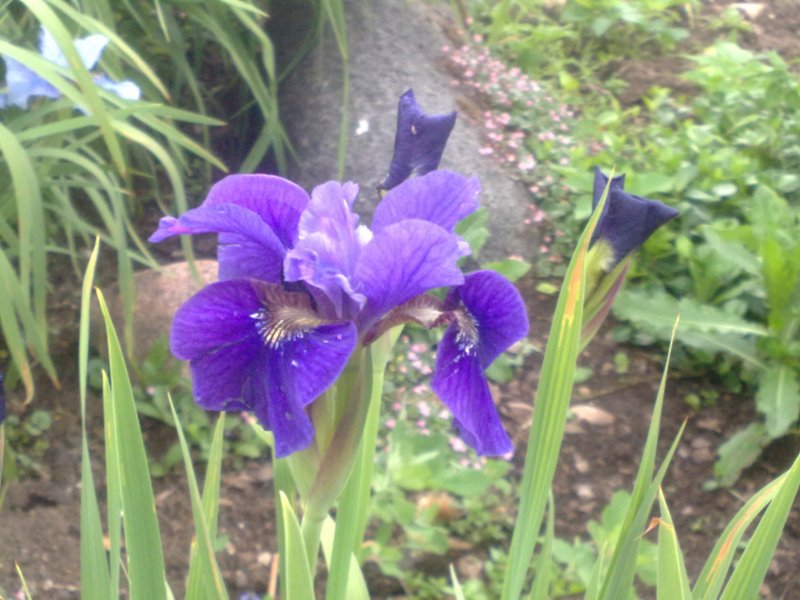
328, 248
441, 197
23, 83
218, 315
406, 259
278, 201
248, 247
419, 141
460, 383
489, 316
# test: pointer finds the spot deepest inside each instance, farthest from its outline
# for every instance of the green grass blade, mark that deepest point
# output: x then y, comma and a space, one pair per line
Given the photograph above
95, 578
457, 591
550, 414
621, 572
749, 573
673, 581
540, 590
298, 583
715, 572
211, 491
113, 491
142, 538
209, 583
356, 588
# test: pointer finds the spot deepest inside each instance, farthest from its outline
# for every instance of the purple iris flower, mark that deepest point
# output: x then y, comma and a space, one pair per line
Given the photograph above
302, 285
23, 83
418, 143
627, 220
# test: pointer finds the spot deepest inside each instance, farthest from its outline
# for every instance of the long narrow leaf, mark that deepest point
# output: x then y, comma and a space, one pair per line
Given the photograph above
299, 585
673, 581
550, 414
751, 569
212, 585
95, 579
142, 537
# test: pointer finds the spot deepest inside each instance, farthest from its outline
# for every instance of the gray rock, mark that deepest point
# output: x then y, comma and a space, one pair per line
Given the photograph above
393, 46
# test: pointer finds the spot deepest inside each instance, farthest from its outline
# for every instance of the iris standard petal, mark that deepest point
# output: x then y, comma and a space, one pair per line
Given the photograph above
441, 197
221, 314
627, 220
328, 247
90, 49
247, 245
406, 259
419, 141
278, 201
460, 383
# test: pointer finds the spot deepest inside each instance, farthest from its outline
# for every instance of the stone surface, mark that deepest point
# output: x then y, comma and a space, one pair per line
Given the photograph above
393, 46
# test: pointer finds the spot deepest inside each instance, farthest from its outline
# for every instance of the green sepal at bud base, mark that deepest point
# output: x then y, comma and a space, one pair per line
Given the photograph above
600, 299
321, 470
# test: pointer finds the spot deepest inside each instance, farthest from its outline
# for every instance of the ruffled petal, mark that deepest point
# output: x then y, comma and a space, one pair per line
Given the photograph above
419, 141
494, 306
247, 245
219, 315
460, 383
441, 197
406, 259
278, 201
328, 247
627, 220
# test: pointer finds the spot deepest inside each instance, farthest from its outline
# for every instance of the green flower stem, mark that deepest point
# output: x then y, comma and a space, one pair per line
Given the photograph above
311, 529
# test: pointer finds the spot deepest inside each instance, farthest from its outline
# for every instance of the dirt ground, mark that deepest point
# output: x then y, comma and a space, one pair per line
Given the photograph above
39, 518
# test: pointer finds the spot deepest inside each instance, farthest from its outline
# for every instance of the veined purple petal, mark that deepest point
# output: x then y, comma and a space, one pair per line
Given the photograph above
627, 220
419, 141
406, 259
220, 376
460, 383
441, 197
278, 201
247, 245
488, 316
494, 306
219, 315
328, 247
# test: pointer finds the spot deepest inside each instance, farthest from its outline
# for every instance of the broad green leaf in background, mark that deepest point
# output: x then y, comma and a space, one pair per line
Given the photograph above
778, 398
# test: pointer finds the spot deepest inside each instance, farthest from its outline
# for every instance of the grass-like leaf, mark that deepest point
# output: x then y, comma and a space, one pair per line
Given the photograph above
142, 538
673, 581
298, 582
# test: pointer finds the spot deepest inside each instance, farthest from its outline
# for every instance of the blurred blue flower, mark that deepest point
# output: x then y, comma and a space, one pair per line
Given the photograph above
418, 143
627, 220
24, 83
303, 285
